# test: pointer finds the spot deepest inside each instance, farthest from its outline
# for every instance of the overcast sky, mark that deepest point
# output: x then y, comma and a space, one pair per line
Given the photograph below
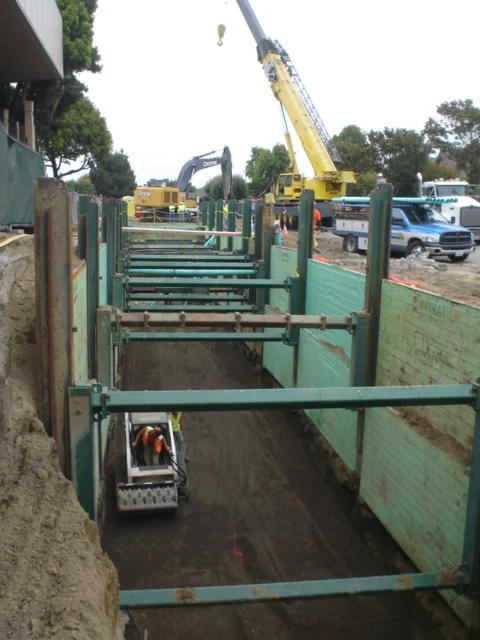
169, 92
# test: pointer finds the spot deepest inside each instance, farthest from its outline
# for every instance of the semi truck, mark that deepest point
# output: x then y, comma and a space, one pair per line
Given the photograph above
464, 211
417, 227
157, 487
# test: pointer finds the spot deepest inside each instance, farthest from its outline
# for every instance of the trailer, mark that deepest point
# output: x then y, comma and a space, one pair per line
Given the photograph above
146, 481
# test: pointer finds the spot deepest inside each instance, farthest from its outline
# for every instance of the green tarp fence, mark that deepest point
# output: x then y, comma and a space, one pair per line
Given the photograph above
19, 166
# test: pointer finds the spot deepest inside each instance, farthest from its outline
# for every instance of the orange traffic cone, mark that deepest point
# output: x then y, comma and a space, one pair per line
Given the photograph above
285, 230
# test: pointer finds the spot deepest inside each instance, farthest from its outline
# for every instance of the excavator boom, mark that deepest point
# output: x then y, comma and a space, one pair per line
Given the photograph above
205, 161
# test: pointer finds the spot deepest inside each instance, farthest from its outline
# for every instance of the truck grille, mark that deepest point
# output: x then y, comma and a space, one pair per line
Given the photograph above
455, 240
470, 216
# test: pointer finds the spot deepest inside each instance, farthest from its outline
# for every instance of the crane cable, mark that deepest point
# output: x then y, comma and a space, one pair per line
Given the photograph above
221, 33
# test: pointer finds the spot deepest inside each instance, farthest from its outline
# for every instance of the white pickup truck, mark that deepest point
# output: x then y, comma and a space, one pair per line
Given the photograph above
465, 212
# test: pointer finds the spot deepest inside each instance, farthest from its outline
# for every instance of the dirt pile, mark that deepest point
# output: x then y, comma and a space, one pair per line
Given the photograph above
55, 581
458, 282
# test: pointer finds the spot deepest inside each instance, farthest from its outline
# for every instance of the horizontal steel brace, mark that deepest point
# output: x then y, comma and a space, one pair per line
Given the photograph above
354, 398
205, 336
166, 264
193, 273
187, 319
197, 297
163, 257
191, 596
185, 232
180, 249
229, 283
213, 308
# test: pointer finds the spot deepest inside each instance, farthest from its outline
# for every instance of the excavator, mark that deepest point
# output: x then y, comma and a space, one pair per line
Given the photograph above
329, 181
205, 161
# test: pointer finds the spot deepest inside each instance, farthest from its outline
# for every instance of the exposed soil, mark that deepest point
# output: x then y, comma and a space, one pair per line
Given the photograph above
458, 282
55, 581
250, 474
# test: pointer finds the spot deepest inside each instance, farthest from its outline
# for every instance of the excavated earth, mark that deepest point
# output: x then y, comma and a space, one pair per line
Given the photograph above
250, 475
55, 580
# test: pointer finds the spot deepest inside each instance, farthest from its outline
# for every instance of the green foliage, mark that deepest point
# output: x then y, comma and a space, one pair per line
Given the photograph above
399, 154
365, 183
214, 187
435, 170
78, 50
355, 149
265, 166
457, 133
161, 182
83, 186
113, 177
239, 187
80, 132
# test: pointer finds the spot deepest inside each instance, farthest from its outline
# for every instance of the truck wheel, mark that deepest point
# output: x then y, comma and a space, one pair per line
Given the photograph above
415, 248
459, 258
350, 244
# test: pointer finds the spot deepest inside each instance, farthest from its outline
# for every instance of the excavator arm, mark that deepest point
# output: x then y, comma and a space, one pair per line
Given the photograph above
205, 161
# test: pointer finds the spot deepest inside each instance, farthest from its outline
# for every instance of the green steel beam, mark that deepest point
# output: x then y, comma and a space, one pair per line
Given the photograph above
202, 336
378, 261
246, 224
83, 209
118, 298
353, 398
276, 591
196, 308
92, 257
229, 283
358, 374
185, 297
471, 543
109, 219
260, 299
258, 229
211, 215
204, 212
192, 265
232, 221
219, 222
237, 320
192, 273
173, 258
104, 351
305, 244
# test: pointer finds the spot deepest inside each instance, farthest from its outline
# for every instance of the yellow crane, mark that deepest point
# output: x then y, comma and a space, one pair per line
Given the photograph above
329, 181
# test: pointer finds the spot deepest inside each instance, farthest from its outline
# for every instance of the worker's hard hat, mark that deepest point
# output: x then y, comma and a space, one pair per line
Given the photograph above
380, 175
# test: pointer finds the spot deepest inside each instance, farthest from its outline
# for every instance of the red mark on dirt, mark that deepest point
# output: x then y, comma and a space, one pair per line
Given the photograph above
291, 499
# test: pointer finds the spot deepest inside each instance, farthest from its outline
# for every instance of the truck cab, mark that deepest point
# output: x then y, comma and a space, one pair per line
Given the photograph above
416, 228
458, 207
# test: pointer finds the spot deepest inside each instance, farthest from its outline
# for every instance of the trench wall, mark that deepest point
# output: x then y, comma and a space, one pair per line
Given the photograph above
416, 462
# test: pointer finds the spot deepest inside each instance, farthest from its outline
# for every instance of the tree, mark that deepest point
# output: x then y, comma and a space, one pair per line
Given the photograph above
239, 187
265, 166
214, 188
82, 185
81, 132
457, 134
114, 177
435, 170
399, 154
355, 149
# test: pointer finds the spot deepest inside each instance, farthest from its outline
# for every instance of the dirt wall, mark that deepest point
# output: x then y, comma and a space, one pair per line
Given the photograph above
55, 580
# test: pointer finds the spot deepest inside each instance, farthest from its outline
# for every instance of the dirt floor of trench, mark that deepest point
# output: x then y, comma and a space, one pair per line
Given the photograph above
249, 474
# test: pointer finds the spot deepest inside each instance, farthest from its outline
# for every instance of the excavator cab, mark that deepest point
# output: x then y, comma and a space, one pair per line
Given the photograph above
290, 186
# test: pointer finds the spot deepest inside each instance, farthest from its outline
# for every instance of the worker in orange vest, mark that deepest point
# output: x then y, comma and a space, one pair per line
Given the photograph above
154, 443
317, 221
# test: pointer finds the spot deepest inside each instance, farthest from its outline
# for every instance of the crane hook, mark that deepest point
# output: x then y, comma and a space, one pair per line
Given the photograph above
221, 34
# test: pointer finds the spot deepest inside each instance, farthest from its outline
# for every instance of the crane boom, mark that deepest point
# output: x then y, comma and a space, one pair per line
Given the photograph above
290, 91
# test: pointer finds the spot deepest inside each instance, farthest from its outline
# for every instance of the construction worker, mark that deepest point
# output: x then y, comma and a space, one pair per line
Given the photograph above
181, 211
171, 213
154, 443
176, 418
380, 179
317, 221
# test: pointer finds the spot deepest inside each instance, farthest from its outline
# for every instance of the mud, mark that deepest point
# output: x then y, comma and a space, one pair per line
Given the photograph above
250, 474
55, 580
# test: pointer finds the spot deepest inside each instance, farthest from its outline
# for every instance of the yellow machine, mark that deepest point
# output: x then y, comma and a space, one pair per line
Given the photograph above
130, 206
329, 180
156, 200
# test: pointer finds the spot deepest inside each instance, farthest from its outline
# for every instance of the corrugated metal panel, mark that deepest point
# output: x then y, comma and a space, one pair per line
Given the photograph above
80, 322
283, 266
278, 359
320, 366
324, 357
425, 339
103, 274
418, 492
